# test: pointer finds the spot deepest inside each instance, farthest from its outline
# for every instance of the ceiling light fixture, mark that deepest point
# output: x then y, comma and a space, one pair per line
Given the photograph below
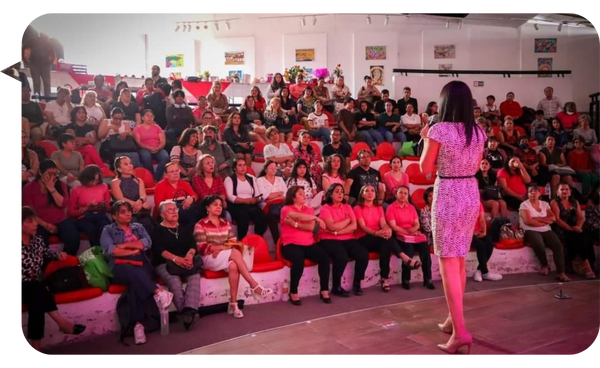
303, 22
216, 26
178, 27
460, 24
447, 24
387, 20
368, 19
228, 25
314, 20
560, 27
535, 25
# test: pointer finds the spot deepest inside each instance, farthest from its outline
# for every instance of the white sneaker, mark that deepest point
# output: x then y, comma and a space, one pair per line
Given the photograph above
138, 334
163, 299
477, 276
492, 276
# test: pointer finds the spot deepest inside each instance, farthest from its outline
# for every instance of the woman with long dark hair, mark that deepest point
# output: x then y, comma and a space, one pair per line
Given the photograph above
454, 146
335, 171
85, 136
186, 153
237, 137
276, 86
301, 177
288, 105
306, 152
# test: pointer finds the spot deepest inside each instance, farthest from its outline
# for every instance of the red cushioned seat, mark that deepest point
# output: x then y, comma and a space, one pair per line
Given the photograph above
77, 295
295, 129
147, 177
257, 154
510, 244
250, 170
385, 151
417, 198
411, 158
384, 169
262, 259
207, 274
356, 148
54, 239
54, 266
117, 289
415, 176
48, 146
107, 173
307, 263
373, 255
330, 118
520, 131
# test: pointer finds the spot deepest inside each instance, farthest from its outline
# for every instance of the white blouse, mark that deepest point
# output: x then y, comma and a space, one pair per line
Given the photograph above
544, 206
266, 188
244, 190
411, 121
95, 114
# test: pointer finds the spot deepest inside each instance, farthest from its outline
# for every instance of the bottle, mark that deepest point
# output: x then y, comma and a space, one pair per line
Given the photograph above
164, 321
285, 289
548, 190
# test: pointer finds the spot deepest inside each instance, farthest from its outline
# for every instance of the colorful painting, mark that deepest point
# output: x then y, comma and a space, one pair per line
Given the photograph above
305, 55
545, 45
175, 76
234, 72
544, 64
234, 58
444, 66
444, 52
375, 53
377, 74
174, 61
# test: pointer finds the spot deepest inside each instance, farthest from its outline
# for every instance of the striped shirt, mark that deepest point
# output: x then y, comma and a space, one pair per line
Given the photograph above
206, 233
550, 107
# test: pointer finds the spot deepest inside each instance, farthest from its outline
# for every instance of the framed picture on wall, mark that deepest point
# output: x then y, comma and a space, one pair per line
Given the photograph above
234, 58
305, 55
375, 53
444, 66
545, 45
544, 64
444, 52
376, 72
174, 61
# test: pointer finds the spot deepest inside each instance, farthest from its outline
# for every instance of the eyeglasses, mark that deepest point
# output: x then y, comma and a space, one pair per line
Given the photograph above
171, 210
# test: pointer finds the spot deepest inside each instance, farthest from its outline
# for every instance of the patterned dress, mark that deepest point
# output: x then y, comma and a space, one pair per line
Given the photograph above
312, 160
455, 204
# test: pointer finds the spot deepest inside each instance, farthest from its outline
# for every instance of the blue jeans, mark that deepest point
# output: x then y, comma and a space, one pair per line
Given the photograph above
369, 136
161, 156
140, 284
389, 136
92, 225
322, 132
173, 134
540, 138
67, 232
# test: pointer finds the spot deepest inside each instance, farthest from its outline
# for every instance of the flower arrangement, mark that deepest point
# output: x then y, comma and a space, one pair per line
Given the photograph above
320, 73
206, 75
337, 72
291, 73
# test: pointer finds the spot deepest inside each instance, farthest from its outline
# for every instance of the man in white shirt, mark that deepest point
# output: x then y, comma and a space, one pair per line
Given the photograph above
278, 152
58, 113
550, 105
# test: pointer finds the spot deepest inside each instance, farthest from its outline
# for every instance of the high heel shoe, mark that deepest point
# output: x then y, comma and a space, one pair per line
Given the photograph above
459, 342
234, 310
77, 330
445, 328
263, 292
385, 286
294, 302
324, 299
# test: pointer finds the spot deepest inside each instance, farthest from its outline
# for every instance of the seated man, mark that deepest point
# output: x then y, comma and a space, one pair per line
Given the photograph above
362, 175
380, 105
337, 146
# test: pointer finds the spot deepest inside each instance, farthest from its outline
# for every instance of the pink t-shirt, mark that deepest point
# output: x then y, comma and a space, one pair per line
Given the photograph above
82, 195
332, 180
404, 217
371, 215
337, 214
151, 136
391, 183
291, 235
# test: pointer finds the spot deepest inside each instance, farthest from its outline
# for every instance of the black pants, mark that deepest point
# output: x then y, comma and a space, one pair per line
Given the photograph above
140, 284
67, 232
339, 251
297, 254
484, 247
39, 301
273, 224
243, 213
578, 244
381, 246
91, 225
409, 249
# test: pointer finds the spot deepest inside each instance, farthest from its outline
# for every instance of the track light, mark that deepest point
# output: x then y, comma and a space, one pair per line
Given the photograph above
535, 25
303, 22
368, 19
178, 27
314, 21
387, 20
460, 24
560, 27
216, 24
447, 24
228, 25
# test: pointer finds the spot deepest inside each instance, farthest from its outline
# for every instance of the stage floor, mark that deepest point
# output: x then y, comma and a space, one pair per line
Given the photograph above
515, 320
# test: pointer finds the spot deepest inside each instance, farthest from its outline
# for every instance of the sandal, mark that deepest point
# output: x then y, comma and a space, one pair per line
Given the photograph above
263, 291
563, 278
413, 264
385, 286
234, 310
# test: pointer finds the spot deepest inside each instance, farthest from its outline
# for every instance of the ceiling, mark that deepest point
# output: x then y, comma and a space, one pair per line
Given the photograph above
513, 20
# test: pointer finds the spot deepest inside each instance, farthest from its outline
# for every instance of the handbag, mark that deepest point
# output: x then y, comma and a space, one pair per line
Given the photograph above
126, 145
96, 270
492, 192
175, 270
67, 279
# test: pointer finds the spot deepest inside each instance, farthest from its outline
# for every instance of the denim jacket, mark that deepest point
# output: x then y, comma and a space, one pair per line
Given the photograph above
112, 235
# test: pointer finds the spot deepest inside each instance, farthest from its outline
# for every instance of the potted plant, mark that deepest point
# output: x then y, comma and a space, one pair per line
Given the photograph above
206, 75
291, 73
337, 72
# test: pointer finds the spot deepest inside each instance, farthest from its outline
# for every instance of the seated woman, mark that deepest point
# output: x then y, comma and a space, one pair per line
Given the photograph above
30, 163
404, 221
592, 219
259, 100
560, 135
298, 224
569, 228
373, 232
217, 101
180, 191
275, 87
186, 153
242, 200
335, 171
69, 162
552, 159
301, 177
49, 197
279, 152
171, 242
151, 141
271, 189
581, 161
497, 157
394, 178
126, 187
93, 109
322, 94
211, 234
34, 294
238, 138
340, 93
124, 245
206, 182
306, 105
288, 105
337, 238
584, 131
179, 116
485, 246
513, 179
488, 188
304, 151
116, 125
425, 215
535, 217
569, 117
130, 109
412, 123
508, 136
85, 136
252, 119
276, 117
529, 157
89, 204
368, 91
318, 123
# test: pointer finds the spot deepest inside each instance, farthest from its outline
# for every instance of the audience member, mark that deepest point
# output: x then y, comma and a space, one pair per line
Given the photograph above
484, 247
217, 101
341, 94
186, 153
288, 105
539, 127
347, 121
380, 105
116, 125
69, 162
580, 160
221, 151
510, 107
297, 89
550, 104
278, 152
367, 126
318, 123
30, 163
179, 116
584, 132
276, 117
425, 216
337, 146
306, 104
271, 189
529, 157
490, 110
368, 92
252, 119
412, 123
496, 156
389, 125
553, 160
85, 136
304, 151
431, 113
32, 111
406, 100
491, 193
147, 90
131, 110
508, 136
394, 179
560, 136
58, 112
156, 78
259, 100
95, 112
276, 86
322, 94
300, 177
180, 191
513, 178
362, 175
151, 141
237, 137
200, 109
569, 117
335, 171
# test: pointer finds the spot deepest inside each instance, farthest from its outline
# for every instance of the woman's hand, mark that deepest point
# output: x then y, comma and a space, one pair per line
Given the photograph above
122, 136
321, 223
62, 256
137, 206
52, 229
70, 178
424, 131
187, 203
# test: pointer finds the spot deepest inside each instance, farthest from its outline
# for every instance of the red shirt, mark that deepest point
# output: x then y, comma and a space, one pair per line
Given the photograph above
291, 235
511, 108
260, 105
82, 195
404, 216
568, 121
296, 90
205, 233
34, 198
580, 161
337, 213
514, 183
139, 97
164, 191
202, 189
371, 215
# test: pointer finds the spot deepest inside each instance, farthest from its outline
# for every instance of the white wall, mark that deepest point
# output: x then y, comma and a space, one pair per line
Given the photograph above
212, 57
317, 41
362, 66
